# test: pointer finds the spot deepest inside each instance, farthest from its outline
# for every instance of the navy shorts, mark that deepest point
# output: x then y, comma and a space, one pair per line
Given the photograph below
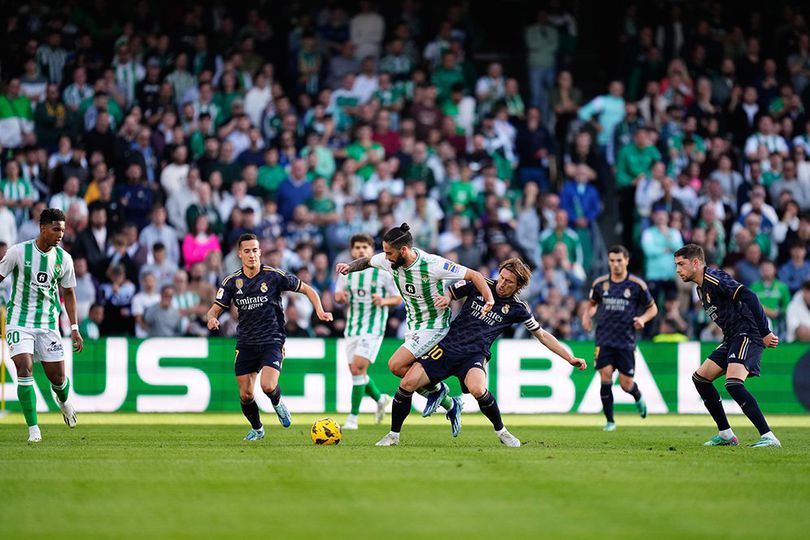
440, 365
740, 349
252, 358
624, 360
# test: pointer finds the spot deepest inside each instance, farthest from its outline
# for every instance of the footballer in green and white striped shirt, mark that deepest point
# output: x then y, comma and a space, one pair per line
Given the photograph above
421, 279
369, 294
38, 268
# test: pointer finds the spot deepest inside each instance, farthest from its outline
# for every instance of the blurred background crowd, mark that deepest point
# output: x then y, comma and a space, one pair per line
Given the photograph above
546, 130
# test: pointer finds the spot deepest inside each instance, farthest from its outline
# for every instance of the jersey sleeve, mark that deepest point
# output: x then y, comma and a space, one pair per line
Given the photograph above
523, 315
68, 278
441, 268
594, 295
287, 281
389, 285
224, 293
9, 262
379, 261
728, 286
643, 296
341, 283
460, 289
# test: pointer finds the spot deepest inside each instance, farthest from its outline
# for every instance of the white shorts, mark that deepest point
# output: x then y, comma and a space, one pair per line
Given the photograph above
364, 346
44, 344
419, 342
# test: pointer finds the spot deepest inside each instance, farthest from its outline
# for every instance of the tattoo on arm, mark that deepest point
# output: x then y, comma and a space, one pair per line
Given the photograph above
360, 264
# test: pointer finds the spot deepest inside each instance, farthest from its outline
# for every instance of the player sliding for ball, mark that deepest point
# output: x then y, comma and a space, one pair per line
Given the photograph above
418, 276
256, 290
368, 294
738, 313
465, 350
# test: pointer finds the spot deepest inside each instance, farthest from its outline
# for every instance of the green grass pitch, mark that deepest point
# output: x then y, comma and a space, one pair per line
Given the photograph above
191, 476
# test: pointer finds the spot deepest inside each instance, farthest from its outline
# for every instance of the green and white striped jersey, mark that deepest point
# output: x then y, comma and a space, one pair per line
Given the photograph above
364, 318
36, 276
419, 283
185, 300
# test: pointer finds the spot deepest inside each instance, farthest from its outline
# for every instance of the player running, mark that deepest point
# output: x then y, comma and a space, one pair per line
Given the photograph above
465, 350
256, 290
419, 276
369, 294
38, 268
738, 313
622, 296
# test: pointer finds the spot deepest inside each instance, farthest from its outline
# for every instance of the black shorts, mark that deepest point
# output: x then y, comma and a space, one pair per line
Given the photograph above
740, 349
251, 358
624, 360
440, 365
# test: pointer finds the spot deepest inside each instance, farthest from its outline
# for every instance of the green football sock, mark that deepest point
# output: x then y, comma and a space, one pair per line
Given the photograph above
372, 390
357, 397
447, 402
62, 391
28, 399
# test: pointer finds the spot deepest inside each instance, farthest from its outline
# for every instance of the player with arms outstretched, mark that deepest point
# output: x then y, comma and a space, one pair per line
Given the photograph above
256, 290
368, 294
38, 268
739, 314
419, 276
465, 350
620, 298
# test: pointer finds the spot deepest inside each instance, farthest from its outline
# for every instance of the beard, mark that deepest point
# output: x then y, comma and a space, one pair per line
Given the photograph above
399, 262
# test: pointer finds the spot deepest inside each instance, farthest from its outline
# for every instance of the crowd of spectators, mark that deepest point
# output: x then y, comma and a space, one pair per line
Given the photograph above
163, 138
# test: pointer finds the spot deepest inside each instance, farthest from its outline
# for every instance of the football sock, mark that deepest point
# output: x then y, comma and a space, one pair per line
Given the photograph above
28, 399
400, 409
606, 393
446, 402
748, 403
251, 412
489, 407
62, 390
635, 392
371, 389
275, 395
711, 399
358, 389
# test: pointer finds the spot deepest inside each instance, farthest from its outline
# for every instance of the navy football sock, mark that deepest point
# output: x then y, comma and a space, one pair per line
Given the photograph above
748, 403
275, 395
635, 392
712, 401
251, 412
489, 407
400, 409
606, 393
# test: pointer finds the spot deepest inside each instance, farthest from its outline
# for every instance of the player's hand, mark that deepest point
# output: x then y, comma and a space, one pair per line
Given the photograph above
488, 307
213, 323
578, 363
771, 340
341, 297
587, 323
325, 316
342, 268
441, 301
78, 342
638, 324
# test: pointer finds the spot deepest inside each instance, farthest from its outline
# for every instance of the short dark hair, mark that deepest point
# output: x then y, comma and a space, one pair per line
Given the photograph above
246, 237
361, 238
691, 251
51, 215
399, 236
618, 248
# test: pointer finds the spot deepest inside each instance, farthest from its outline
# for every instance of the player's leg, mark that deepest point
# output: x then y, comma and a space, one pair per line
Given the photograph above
359, 370
55, 371
476, 382
704, 377
418, 344
414, 378
269, 382
247, 382
367, 349
606, 395
747, 363
629, 385
26, 395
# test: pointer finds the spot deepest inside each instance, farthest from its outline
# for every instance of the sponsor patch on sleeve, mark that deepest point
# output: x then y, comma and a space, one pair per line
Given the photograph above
459, 284
220, 293
450, 267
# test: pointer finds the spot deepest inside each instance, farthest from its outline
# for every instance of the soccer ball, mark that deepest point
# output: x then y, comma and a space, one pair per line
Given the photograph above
326, 431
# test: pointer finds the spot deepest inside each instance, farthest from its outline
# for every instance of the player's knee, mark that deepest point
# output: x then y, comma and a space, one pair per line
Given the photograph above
626, 385
477, 390
408, 384
268, 388
397, 369
246, 396
57, 380
357, 369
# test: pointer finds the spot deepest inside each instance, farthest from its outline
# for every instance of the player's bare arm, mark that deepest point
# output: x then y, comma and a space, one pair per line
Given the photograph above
556, 347
481, 284
391, 301
587, 317
356, 265
443, 300
213, 317
315, 300
70, 306
648, 315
